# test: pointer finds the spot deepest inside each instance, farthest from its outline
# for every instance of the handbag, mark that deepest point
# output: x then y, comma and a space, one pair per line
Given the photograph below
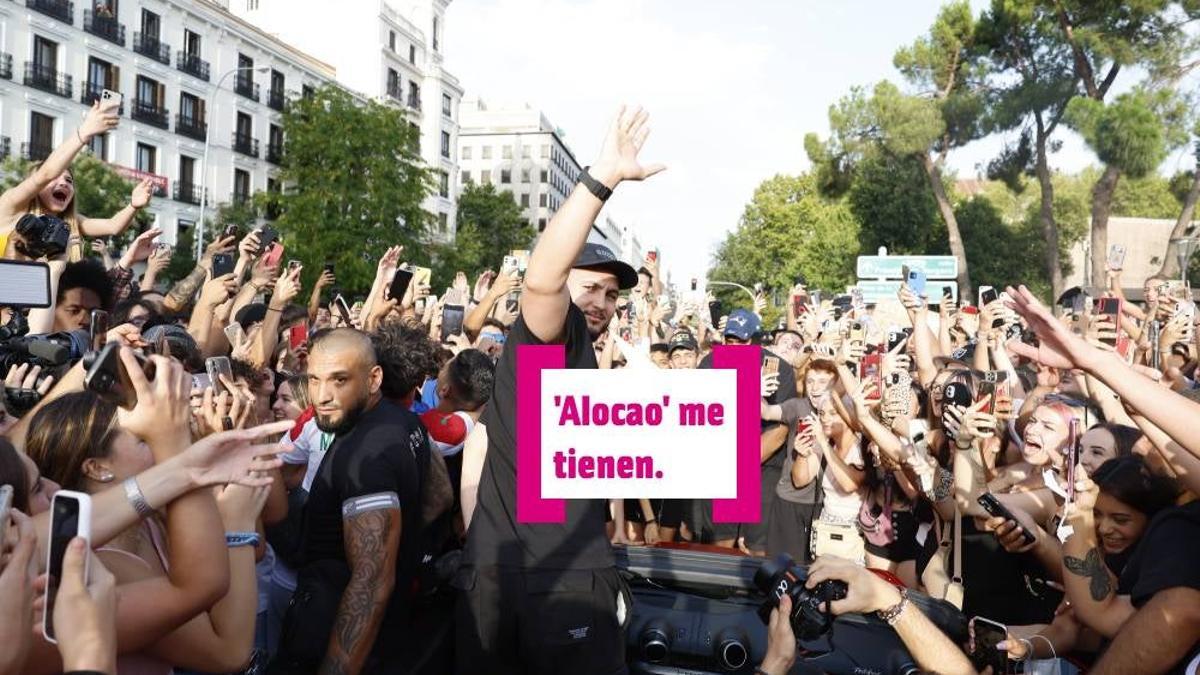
838, 539
877, 528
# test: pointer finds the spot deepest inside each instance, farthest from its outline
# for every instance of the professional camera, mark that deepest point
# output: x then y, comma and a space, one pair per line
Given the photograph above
47, 351
44, 236
811, 617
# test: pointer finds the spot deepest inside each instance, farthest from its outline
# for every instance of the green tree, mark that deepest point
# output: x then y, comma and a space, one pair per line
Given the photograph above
490, 224
353, 185
1001, 252
890, 212
788, 228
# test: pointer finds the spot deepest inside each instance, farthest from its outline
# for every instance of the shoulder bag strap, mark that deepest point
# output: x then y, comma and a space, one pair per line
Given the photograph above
957, 552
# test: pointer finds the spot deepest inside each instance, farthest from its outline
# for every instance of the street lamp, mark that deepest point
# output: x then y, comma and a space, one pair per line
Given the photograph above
204, 162
730, 283
1184, 248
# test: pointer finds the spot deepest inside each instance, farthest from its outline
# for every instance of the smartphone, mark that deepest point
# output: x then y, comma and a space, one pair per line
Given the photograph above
1074, 438
110, 99
857, 332
201, 381
895, 336
266, 236
217, 366
871, 369
916, 281
294, 265
987, 295
342, 308
770, 365
222, 264
694, 283
989, 388
452, 320
98, 329
802, 427
298, 335
231, 231
328, 267
1110, 307
70, 517
6, 494
652, 256
421, 275
400, 281
107, 377
798, 306
274, 253
714, 312
987, 634
1116, 257
235, 334
522, 257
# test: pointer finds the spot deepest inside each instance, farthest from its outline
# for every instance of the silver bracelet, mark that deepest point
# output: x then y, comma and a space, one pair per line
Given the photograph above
136, 499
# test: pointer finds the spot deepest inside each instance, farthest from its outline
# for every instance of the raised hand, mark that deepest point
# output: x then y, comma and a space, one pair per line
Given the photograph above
388, 262
142, 192
482, 284
618, 160
99, 120
236, 457
1058, 346
286, 289
142, 247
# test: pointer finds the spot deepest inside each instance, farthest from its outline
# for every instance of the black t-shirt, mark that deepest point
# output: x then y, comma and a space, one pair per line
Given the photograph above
786, 390
386, 451
1168, 556
495, 536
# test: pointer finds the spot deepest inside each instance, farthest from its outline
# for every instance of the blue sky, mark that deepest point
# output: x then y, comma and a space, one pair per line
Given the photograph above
732, 88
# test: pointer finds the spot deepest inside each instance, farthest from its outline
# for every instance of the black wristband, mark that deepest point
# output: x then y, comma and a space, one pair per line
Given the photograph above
600, 190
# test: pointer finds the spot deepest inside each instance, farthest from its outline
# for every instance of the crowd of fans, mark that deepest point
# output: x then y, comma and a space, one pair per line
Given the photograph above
287, 487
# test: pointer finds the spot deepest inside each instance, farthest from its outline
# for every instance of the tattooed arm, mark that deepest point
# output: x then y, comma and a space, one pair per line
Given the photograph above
181, 294
371, 528
1091, 588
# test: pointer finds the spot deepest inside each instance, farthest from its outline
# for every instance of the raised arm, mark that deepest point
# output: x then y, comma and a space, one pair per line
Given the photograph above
116, 224
371, 534
545, 300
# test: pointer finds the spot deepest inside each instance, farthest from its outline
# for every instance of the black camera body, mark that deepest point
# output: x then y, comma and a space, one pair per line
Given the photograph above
810, 615
44, 236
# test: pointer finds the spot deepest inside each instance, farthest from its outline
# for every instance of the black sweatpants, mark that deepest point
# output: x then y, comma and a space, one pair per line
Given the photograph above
512, 620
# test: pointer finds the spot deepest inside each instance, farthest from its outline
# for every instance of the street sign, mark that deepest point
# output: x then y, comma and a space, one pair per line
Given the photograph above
888, 266
875, 292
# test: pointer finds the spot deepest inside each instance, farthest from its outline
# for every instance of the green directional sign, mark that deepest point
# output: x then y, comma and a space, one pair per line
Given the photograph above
889, 266
875, 292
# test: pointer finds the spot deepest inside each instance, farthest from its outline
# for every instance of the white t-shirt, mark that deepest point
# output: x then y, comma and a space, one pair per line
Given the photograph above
842, 506
308, 448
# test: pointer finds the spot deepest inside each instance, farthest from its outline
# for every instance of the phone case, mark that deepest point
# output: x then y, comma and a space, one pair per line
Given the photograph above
83, 529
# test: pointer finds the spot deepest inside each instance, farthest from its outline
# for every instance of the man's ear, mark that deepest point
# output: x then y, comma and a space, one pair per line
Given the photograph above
375, 379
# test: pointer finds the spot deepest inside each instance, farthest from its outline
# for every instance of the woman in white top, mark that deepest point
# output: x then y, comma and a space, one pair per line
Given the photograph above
844, 476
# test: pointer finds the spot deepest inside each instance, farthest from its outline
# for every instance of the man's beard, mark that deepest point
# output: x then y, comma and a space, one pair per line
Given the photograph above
349, 418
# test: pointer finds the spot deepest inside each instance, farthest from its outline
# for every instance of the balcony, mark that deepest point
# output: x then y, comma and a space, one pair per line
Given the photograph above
151, 46
105, 26
63, 10
191, 127
91, 93
36, 151
6, 66
247, 87
276, 100
396, 93
187, 193
245, 144
192, 65
5, 147
414, 102
145, 111
47, 79
275, 153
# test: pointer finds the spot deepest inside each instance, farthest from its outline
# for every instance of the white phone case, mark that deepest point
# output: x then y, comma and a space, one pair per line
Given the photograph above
83, 530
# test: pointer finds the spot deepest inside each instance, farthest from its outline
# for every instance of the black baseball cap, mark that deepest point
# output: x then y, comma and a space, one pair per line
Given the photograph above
683, 339
598, 256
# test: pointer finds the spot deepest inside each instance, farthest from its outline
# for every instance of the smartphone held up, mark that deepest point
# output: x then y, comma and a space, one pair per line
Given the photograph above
70, 517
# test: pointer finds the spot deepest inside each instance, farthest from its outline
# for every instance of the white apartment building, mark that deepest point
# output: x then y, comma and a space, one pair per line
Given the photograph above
391, 50
167, 58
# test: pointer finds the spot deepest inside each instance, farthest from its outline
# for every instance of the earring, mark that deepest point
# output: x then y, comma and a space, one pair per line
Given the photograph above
106, 477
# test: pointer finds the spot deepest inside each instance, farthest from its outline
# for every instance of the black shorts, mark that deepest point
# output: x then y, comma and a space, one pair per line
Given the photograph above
668, 512
755, 533
789, 530
904, 544
541, 621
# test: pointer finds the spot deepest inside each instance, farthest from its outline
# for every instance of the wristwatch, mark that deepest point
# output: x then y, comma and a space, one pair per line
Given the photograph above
600, 190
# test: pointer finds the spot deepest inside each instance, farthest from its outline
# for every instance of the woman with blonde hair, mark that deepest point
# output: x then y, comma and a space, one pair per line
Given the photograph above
49, 191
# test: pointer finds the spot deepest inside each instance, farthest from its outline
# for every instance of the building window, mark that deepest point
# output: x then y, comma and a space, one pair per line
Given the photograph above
244, 126
524, 175
541, 224
485, 177
444, 187
505, 176
545, 175
446, 106
151, 24
545, 152
241, 186
466, 177
465, 152
525, 201
443, 222
187, 170
392, 40
251, 5
507, 153
307, 91
542, 199
45, 55
99, 146
147, 158
526, 152
487, 152
446, 144
393, 84
191, 43
412, 54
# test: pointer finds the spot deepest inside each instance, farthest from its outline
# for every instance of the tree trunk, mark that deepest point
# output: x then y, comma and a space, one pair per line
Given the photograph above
1046, 215
1170, 266
1102, 196
934, 173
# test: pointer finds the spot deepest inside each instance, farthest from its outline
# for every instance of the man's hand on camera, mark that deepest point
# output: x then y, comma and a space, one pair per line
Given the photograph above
781, 641
865, 592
